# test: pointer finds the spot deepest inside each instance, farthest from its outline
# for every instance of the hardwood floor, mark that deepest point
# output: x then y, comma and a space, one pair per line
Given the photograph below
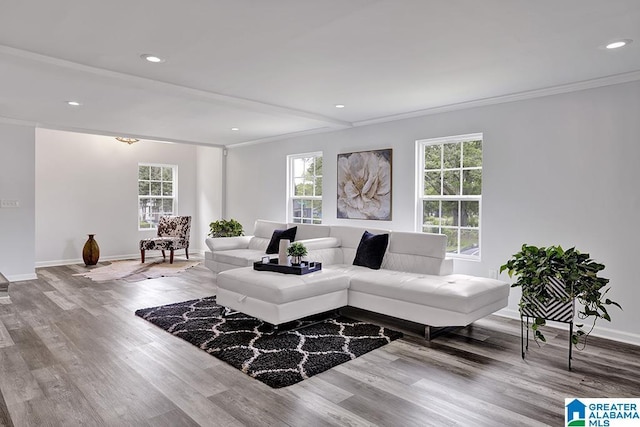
4, 286
73, 353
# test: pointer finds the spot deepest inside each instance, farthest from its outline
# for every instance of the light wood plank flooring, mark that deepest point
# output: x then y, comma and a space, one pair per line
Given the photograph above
73, 353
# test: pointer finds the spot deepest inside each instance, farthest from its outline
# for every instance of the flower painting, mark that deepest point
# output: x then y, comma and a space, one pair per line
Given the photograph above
364, 185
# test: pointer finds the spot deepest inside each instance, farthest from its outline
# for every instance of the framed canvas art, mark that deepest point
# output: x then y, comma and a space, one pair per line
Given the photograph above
364, 185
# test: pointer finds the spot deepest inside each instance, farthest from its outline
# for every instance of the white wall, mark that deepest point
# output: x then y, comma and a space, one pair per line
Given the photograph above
209, 181
88, 184
17, 182
557, 170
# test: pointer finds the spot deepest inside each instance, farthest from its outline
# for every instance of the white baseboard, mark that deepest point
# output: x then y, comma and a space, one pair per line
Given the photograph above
598, 331
21, 277
55, 263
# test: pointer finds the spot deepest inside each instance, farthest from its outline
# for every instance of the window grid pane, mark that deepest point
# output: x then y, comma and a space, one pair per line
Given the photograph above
306, 189
451, 193
156, 194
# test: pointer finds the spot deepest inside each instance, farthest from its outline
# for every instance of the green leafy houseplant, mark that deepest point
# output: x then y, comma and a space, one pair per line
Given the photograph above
296, 251
225, 228
534, 267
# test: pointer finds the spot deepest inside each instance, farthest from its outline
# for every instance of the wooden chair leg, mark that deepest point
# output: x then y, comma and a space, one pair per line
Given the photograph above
164, 256
171, 257
186, 251
142, 255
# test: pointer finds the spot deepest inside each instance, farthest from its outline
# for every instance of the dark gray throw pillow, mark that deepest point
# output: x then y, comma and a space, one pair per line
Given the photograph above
274, 244
371, 250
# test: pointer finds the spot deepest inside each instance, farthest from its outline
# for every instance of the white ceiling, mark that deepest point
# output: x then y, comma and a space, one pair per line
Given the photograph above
275, 68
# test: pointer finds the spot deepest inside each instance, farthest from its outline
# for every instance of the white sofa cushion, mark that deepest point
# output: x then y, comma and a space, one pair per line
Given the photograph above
351, 236
456, 292
239, 257
265, 229
413, 264
226, 243
350, 239
425, 244
310, 231
320, 243
280, 288
259, 244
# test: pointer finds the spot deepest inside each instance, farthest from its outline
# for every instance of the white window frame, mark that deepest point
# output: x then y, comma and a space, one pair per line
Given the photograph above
174, 187
420, 196
291, 186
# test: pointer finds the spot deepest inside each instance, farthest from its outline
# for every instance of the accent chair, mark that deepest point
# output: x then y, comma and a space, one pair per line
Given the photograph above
173, 233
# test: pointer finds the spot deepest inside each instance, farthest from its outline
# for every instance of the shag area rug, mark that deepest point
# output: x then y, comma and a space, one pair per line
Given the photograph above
248, 344
133, 271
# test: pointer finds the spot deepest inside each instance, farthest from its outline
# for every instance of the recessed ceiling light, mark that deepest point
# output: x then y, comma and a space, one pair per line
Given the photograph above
618, 44
339, 105
73, 103
152, 58
235, 129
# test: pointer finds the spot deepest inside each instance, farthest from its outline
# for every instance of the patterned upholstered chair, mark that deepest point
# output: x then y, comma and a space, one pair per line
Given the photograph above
173, 233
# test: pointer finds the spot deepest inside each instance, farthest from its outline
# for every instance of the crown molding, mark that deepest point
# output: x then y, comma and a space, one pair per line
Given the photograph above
280, 137
520, 96
17, 122
150, 138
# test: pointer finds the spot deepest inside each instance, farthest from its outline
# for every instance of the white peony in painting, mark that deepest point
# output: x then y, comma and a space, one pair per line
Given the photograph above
364, 185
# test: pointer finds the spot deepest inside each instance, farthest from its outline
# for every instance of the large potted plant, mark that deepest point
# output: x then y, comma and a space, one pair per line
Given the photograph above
537, 267
225, 228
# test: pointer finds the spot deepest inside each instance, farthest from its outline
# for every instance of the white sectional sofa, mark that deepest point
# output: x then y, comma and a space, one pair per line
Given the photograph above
415, 281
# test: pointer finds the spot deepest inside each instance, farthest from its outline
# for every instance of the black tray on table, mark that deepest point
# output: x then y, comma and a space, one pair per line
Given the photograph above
273, 265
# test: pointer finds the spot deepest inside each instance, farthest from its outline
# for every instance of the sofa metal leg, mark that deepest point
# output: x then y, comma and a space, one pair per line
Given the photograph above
142, 255
171, 256
431, 332
186, 251
427, 333
163, 255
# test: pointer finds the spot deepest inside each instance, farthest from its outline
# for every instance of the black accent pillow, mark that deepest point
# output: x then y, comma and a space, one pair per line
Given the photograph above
274, 244
371, 250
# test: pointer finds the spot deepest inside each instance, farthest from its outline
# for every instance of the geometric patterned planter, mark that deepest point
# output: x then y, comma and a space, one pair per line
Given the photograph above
557, 309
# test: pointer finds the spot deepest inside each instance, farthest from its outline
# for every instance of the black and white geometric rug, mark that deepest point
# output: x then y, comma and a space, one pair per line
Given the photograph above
248, 344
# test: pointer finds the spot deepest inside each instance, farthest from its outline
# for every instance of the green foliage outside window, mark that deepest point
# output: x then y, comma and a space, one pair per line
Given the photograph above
452, 188
156, 194
307, 189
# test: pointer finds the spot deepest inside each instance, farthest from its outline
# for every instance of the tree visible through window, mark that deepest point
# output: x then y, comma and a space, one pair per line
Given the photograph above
451, 191
305, 188
156, 193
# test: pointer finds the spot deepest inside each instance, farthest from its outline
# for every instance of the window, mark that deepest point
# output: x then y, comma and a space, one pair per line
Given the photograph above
450, 191
157, 188
305, 188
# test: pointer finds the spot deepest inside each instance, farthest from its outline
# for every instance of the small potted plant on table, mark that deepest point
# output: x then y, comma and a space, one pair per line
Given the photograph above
296, 251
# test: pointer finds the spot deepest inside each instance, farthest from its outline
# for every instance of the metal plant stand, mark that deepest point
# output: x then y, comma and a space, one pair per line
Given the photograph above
560, 308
